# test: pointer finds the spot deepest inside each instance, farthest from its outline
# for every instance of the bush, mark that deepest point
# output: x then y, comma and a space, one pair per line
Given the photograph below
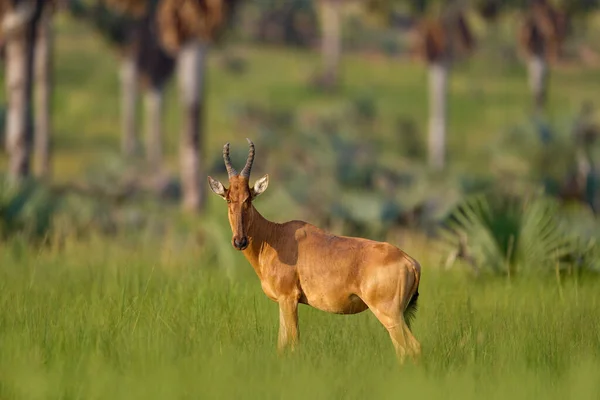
25, 208
515, 234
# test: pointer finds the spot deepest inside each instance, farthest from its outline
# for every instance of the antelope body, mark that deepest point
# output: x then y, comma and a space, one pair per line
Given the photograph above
297, 262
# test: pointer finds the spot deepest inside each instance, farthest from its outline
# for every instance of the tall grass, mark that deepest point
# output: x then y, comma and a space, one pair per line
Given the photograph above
115, 319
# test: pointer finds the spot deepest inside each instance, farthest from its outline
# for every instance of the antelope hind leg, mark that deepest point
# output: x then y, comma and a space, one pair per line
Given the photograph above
413, 343
402, 339
399, 340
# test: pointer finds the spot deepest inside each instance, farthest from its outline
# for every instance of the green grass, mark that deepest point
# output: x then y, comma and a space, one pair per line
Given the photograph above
122, 319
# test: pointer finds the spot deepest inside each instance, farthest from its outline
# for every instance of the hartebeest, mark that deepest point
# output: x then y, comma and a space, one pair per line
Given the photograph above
297, 262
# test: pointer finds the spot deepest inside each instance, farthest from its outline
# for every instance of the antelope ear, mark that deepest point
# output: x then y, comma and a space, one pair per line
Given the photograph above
216, 187
260, 186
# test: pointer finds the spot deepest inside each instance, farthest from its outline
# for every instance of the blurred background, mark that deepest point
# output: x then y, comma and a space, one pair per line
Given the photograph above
464, 131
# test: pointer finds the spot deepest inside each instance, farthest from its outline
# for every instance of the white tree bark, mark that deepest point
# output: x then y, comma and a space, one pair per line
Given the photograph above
538, 80
154, 140
191, 69
19, 85
129, 95
43, 86
331, 41
438, 91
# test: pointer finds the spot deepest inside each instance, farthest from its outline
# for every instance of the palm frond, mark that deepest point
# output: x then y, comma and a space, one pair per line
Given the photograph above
506, 233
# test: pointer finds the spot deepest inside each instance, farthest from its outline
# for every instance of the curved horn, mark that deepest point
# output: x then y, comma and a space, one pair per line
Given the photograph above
230, 170
246, 171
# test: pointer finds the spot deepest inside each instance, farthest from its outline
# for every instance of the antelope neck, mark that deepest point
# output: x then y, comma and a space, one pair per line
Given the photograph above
259, 232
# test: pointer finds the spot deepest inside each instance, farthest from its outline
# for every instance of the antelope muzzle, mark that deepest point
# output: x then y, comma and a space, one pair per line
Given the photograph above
240, 242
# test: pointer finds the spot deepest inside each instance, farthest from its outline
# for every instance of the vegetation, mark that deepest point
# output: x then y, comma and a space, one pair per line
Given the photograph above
107, 290
97, 319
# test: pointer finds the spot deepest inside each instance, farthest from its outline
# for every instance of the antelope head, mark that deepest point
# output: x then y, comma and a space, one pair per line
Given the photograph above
239, 196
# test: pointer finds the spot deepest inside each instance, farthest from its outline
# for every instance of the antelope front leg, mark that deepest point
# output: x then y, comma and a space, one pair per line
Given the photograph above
288, 324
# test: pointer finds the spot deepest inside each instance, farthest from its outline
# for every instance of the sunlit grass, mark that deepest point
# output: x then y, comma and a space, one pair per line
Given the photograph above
119, 318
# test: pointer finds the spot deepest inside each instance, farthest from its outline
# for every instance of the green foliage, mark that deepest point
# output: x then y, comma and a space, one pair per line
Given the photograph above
25, 208
579, 7
291, 23
584, 228
2, 126
513, 235
359, 185
556, 156
114, 27
114, 197
349, 180
571, 7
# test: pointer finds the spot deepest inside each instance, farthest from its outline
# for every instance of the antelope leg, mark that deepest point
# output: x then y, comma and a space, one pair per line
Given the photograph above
288, 323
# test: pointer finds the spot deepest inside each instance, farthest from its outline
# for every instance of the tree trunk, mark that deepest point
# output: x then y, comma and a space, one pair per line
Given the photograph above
438, 88
19, 80
538, 80
129, 95
331, 41
191, 66
154, 141
43, 75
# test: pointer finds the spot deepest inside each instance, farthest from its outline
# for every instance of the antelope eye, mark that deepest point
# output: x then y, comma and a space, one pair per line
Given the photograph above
228, 200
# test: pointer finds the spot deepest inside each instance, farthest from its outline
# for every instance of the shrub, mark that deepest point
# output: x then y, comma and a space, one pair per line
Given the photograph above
511, 234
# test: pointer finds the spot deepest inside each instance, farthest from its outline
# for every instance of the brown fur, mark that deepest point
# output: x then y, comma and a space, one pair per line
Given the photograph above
297, 262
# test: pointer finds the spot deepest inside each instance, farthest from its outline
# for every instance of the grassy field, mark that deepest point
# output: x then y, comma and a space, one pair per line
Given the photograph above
140, 315
119, 319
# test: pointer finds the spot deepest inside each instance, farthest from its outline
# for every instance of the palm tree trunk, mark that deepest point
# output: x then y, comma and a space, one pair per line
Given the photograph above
538, 80
191, 66
19, 81
43, 75
331, 41
129, 95
154, 113
438, 88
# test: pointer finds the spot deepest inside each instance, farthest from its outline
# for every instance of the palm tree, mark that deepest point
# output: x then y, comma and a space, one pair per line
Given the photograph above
541, 34
187, 27
443, 35
43, 96
330, 12
507, 233
20, 20
130, 26
157, 38
540, 37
